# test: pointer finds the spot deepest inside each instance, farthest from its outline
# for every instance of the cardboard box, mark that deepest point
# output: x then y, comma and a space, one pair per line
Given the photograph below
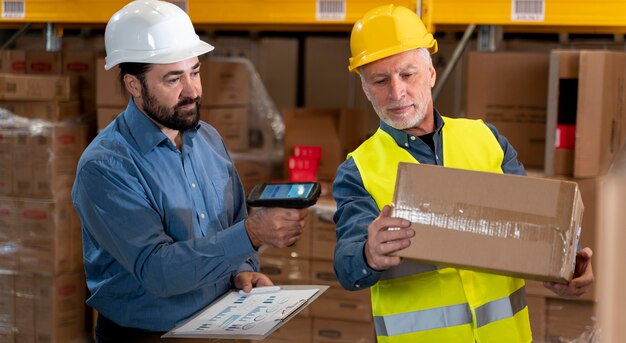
50, 237
327, 83
569, 320
592, 193
342, 331
49, 309
44, 62
82, 64
225, 83
38, 87
59, 140
25, 285
337, 131
600, 128
341, 304
7, 307
507, 224
6, 173
60, 309
324, 230
254, 167
8, 219
322, 273
298, 329
537, 313
277, 64
54, 177
509, 90
7, 140
231, 123
106, 115
108, 89
285, 270
53, 111
562, 108
23, 182
12, 61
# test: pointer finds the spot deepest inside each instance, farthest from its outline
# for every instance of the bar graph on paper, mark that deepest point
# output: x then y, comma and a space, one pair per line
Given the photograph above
254, 314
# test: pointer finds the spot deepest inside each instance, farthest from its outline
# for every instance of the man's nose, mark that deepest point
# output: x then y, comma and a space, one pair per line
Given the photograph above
191, 89
397, 88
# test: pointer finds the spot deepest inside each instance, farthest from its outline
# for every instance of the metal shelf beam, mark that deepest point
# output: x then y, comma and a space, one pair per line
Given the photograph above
227, 13
576, 16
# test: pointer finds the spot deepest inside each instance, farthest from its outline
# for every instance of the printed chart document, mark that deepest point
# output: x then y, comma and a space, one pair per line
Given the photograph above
256, 315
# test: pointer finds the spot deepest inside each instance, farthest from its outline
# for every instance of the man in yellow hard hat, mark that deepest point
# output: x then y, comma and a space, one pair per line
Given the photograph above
413, 302
164, 222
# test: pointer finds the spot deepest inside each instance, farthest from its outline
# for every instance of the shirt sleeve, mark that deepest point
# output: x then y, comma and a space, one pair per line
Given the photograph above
356, 209
116, 213
510, 163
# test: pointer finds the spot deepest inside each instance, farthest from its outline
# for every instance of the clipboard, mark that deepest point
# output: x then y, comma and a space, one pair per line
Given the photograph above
236, 315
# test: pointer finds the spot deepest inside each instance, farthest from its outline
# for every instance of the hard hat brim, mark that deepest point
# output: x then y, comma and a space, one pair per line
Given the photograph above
359, 61
176, 54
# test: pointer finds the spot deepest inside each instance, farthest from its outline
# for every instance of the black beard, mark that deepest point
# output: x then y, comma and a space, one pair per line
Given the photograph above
172, 118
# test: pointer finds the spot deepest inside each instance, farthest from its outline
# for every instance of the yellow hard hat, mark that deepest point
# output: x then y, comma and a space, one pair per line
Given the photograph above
385, 31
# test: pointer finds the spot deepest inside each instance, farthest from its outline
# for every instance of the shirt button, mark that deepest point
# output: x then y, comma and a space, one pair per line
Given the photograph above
412, 138
193, 185
364, 271
357, 286
202, 215
406, 145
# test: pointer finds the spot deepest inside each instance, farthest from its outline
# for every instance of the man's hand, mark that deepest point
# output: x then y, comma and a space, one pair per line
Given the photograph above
276, 227
382, 241
583, 277
248, 280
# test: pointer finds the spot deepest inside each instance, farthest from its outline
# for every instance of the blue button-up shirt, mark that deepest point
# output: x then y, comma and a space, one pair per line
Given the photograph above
162, 228
356, 208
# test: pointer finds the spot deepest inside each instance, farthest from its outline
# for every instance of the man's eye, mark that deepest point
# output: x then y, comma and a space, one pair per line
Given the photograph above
172, 81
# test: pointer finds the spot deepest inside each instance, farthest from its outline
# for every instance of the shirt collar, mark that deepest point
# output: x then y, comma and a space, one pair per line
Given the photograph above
402, 137
145, 132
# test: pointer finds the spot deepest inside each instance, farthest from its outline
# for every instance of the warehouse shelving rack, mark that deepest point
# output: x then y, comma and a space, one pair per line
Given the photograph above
585, 16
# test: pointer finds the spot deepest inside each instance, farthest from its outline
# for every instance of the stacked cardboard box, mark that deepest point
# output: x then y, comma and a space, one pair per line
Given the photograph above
508, 89
111, 98
595, 103
585, 94
39, 308
41, 140
337, 315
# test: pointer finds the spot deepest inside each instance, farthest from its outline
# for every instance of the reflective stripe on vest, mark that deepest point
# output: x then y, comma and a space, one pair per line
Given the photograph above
406, 268
447, 316
501, 308
414, 302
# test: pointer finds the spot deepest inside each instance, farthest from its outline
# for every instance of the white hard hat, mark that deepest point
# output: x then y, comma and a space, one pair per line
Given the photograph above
151, 31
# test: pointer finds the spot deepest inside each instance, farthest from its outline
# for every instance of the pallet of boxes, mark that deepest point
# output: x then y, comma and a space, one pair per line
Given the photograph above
564, 116
42, 287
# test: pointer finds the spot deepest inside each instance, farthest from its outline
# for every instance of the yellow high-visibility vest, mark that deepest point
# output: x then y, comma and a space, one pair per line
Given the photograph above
414, 302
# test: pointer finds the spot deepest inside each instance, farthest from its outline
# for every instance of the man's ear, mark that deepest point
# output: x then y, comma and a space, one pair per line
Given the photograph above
133, 85
433, 75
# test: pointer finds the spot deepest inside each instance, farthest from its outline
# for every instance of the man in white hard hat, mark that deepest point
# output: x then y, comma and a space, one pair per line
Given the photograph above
413, 302
163, 213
